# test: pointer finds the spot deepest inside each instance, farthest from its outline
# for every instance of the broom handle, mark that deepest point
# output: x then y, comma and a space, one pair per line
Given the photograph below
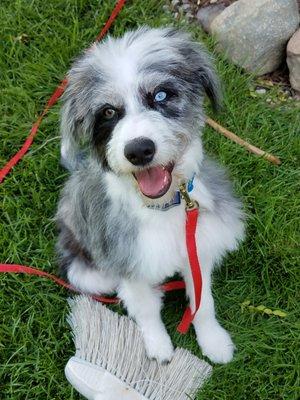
232, 136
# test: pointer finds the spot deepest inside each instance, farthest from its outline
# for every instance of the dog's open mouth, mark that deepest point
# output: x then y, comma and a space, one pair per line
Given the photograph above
154, 182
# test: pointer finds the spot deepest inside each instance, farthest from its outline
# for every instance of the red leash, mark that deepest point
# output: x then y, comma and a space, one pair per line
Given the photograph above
22, 269
33, 131
191, 225
191, 221
53, 99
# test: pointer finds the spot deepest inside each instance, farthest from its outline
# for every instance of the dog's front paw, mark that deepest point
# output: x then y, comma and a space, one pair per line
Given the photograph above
159, 347
216, 343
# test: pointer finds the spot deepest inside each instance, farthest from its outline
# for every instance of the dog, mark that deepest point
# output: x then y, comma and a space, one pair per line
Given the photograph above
130, 125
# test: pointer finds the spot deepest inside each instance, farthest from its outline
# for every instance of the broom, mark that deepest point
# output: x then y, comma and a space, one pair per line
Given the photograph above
111, 363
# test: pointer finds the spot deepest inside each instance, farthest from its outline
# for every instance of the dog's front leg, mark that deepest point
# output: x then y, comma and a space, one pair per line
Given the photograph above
215, 341
143, 303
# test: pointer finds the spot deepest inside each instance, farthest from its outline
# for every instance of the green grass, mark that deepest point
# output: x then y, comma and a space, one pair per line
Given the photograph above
35, 341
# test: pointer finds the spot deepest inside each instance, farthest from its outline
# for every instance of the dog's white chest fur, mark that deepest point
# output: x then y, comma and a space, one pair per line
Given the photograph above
161, 244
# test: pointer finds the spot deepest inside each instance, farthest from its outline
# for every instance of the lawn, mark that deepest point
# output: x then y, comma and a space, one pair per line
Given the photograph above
39, 39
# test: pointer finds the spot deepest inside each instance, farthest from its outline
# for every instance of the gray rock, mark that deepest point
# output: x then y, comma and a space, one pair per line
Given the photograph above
254, 33
293, 60
206, 15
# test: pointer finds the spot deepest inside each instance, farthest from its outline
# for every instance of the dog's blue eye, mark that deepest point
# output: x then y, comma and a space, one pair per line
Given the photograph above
160, 96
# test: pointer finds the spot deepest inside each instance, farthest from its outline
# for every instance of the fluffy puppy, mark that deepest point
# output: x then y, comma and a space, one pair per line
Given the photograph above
133, 106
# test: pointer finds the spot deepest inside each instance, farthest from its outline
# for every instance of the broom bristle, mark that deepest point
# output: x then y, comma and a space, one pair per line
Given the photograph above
114, 342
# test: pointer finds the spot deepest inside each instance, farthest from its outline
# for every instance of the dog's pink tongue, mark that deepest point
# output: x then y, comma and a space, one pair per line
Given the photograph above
154, 182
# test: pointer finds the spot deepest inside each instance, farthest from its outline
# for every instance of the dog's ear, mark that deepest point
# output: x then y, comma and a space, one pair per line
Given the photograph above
70, 130
198, 69
203, 72
210, 82
75, 113
77, 117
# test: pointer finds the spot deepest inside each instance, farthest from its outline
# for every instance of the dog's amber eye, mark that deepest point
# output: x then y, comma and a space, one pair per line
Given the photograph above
109, 113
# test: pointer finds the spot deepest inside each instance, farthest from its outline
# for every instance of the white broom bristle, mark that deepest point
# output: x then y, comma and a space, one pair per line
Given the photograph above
113, 342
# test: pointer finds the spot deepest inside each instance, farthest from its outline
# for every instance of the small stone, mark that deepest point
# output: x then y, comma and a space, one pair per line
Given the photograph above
213, 1
176, 15
206, 15
261, 91
293, 60
186, 7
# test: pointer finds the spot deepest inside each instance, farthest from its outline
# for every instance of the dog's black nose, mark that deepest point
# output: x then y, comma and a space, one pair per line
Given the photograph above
140, 151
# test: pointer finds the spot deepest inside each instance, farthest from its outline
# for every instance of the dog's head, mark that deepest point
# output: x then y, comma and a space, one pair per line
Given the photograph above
137, 101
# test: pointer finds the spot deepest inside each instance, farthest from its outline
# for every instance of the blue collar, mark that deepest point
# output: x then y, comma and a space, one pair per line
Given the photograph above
176, 198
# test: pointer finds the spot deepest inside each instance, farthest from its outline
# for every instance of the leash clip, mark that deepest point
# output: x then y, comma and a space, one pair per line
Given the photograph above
190, 203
